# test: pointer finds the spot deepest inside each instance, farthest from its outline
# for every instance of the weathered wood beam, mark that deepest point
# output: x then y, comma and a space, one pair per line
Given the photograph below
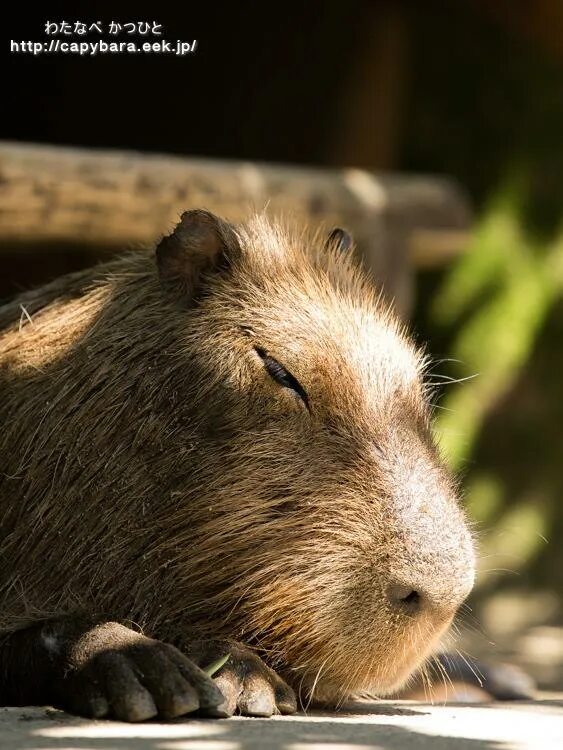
114, 199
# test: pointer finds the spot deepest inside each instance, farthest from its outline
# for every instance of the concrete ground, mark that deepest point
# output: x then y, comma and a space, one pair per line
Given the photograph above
385, 725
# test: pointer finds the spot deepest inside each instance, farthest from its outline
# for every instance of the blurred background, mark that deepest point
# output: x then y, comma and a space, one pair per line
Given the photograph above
469, 89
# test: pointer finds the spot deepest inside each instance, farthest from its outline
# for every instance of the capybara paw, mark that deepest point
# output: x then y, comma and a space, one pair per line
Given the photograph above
118, 673
250, 687
455, 677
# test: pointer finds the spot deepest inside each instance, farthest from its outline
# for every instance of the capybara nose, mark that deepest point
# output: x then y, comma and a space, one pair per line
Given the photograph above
405, 598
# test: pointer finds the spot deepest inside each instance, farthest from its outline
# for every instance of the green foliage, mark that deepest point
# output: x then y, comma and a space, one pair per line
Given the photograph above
505, 286
485, 107
496, 300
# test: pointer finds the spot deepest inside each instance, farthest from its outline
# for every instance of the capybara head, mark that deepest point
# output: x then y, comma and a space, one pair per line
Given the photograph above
333, 531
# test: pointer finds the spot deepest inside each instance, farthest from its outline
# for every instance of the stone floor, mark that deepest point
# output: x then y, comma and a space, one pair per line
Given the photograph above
385, 725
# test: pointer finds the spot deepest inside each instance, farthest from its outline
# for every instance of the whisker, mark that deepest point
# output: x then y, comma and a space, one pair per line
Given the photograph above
479, 677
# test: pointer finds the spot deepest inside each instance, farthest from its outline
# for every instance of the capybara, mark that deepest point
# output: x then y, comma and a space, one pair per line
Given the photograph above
223, 449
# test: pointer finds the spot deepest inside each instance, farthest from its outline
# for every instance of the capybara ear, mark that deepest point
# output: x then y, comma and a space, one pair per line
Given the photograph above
340, 239
199, 243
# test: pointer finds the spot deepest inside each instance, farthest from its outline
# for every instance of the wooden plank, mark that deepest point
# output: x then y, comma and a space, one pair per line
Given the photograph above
111, 200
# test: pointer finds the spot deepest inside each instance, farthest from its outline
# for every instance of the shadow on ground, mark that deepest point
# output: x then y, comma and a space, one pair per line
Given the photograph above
381, 726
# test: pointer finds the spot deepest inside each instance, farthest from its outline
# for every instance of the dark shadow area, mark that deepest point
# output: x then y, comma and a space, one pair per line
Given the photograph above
283, 734
255, 89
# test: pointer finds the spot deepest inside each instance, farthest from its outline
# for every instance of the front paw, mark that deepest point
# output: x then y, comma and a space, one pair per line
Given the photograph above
454, 677
504, 682
250, 687
112, 671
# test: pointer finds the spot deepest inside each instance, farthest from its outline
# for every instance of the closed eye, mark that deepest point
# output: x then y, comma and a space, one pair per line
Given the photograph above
282, 376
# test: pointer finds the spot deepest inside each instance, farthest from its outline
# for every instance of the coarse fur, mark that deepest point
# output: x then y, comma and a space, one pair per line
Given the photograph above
152, 470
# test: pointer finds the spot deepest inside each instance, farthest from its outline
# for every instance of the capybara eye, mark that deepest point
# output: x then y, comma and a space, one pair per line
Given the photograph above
282, 376
340, 239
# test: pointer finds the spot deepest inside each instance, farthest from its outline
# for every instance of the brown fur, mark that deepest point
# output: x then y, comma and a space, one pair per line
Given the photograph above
153, 471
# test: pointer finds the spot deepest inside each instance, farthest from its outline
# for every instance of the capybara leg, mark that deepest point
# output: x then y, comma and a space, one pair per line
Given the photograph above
459, 678
250, 687
101, 669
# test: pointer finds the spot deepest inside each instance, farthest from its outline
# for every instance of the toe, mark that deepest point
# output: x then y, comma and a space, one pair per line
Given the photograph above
85, 699
128, 699
257, 698
286, 700
171, 692
98, 707
208, 692
230, 685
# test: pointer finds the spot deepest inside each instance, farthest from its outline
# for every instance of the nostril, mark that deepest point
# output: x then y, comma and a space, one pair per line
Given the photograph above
404, 597
412, 598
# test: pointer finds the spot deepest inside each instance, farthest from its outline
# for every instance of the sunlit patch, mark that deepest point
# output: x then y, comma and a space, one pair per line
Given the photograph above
116, 730
367, 188
41, 338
